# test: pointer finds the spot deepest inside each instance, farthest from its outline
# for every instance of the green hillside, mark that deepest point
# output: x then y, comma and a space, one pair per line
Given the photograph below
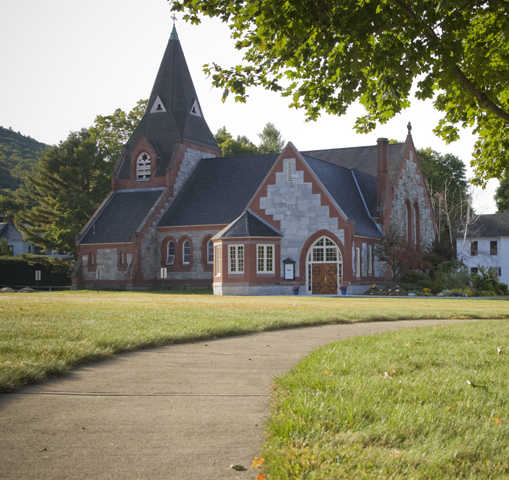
18, 155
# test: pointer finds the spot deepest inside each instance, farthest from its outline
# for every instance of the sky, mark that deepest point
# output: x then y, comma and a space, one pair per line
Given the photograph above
64, 62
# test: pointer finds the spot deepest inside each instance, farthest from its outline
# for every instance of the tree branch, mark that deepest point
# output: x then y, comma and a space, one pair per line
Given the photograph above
480, 96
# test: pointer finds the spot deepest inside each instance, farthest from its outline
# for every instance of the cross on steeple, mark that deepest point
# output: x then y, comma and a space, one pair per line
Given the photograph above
174, 18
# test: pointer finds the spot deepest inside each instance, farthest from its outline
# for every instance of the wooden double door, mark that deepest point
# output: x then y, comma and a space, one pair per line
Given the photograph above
324, 277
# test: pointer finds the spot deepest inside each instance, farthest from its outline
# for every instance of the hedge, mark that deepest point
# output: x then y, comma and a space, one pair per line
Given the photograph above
16, 272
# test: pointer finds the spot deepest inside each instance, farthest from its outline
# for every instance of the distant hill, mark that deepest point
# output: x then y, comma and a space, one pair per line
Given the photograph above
18, 155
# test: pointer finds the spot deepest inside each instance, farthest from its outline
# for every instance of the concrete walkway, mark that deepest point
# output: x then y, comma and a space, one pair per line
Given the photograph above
177, 412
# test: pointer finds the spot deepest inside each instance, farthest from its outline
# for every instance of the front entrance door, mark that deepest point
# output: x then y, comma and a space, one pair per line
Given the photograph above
325, 279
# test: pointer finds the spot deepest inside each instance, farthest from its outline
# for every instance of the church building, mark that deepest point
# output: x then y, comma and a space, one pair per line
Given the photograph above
248, 225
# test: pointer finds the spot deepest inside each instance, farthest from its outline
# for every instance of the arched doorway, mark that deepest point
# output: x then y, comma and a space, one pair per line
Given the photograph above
324, 268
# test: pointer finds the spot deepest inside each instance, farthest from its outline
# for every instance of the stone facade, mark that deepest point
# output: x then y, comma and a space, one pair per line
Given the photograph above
300, 212
410, 188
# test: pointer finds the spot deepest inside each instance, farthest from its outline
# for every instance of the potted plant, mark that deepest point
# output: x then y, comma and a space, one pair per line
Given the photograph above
343, 288
296, 289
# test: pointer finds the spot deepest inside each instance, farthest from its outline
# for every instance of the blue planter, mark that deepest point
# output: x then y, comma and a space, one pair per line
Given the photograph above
343, 292
295, 292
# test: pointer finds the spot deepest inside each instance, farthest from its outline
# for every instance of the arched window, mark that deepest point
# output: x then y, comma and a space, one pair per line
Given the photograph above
186, 252
405, 221
416, 224
170, 253
210, 252
143, 166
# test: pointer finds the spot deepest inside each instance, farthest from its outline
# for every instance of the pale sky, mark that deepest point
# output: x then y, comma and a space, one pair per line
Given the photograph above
64, 62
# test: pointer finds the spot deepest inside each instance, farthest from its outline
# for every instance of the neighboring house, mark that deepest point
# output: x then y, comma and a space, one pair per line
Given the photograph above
484, 240
17, 243
15, 239
250, 225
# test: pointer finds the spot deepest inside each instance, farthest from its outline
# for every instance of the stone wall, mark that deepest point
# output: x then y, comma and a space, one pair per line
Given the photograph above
409, 188
107, 264
151, 245
267, 290
299, 211
195, 271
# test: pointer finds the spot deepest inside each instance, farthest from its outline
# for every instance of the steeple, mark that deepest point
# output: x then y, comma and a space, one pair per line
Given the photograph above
173, 113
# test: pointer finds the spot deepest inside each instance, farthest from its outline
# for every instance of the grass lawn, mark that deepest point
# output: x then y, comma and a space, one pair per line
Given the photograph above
47, 334
426, 403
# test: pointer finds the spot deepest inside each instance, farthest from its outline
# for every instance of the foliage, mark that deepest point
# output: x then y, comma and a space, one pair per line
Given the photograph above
502, 194
18, 155
271, 140
17, 272
418, 403
5, 250
69, 182
233, 148
451, 275
412, 280
448, 188
111, 132
399, 254
485, 279
82, 327
326, 55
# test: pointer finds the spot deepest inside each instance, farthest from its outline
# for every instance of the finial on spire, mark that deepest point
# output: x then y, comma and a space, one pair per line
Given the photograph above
174, 35
409, 126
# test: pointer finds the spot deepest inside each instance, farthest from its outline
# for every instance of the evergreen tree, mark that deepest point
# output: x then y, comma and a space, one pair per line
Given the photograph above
271, 140
68, 184
502, 194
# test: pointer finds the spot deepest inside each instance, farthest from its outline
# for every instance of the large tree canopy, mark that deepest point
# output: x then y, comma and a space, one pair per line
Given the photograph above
326, 55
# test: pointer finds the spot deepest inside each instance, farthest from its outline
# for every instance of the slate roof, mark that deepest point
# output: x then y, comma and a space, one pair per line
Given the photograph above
364, 162
342, 185
174, 87
218, 190
121, 216
495, 225
247, 225
9, 231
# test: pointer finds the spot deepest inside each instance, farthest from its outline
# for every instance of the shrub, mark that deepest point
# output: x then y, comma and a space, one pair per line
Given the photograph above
452, 275
503, 287
413, 280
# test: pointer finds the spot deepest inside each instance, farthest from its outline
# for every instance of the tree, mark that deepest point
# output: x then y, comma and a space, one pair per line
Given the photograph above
502, 194
233, 148
399, 254
5, 250
448, 188
69, 182
112, 131
326, 55
271, 140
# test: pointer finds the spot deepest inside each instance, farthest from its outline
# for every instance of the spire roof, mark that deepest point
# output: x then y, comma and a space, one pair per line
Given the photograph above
173, 113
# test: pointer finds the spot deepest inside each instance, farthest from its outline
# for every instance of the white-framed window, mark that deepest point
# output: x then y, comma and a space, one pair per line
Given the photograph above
186, 252
143, 166
170, 253
370, 259
210, 252
218, 261
493, 247
265, 258
236, 258
357, 261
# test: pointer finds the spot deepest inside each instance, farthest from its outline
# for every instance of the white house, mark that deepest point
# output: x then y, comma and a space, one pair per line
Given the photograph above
484, 240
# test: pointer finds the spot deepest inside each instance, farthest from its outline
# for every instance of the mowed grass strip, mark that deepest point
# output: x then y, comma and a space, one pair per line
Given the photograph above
47, 334
420, 403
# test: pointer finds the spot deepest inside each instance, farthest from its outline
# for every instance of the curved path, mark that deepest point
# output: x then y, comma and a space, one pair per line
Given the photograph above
178, 412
